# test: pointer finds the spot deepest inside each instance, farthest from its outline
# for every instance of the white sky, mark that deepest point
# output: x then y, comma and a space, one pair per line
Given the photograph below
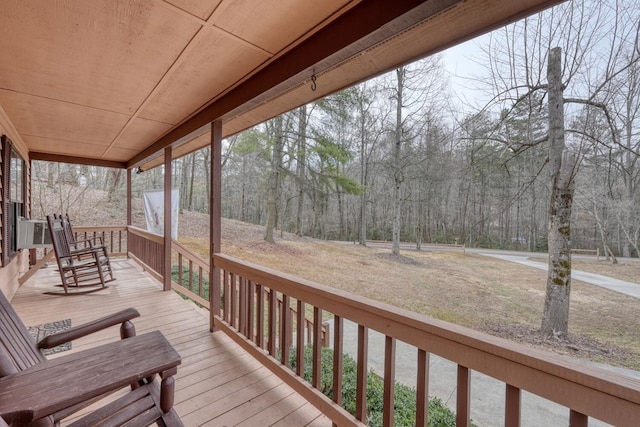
462, 63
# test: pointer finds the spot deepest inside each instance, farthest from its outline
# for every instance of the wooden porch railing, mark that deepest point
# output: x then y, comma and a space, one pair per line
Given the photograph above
192, 281
147, 249
196, 285
587, 391
192, 277
115, 238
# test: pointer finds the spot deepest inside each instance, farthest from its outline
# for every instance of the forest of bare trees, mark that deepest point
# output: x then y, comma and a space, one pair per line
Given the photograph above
396, 156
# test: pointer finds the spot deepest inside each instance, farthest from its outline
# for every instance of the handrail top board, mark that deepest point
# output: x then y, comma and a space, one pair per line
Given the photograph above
62, 382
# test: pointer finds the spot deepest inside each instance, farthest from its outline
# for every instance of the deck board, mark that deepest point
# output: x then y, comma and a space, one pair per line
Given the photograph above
218, 383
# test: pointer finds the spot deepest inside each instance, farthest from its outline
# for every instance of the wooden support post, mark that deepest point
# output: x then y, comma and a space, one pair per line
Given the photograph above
129, 197
215, 217
167, 218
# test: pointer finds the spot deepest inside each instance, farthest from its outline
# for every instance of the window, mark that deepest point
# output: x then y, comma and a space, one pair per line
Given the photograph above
13, 195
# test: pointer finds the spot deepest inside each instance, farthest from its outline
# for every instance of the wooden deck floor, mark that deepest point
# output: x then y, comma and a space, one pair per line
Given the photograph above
218, 384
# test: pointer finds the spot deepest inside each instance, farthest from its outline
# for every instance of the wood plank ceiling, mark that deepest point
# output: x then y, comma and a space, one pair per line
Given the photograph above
113, 82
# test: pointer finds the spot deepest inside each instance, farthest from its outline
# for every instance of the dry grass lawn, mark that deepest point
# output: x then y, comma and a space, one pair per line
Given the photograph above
472, 290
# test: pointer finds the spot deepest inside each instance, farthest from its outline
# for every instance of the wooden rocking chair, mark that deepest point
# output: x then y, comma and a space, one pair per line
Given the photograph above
78, 266
83, 247
39, 392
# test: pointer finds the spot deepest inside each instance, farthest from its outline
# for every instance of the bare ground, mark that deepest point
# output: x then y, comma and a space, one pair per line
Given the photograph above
497, 297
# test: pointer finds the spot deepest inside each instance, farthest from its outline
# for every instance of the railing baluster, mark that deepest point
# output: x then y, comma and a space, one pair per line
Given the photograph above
317, 348
361, 381
200, 282
234, 300
179, 269
422, 389
512, 406
337, 360
301, 321
576, 419
292, 314
273, 302
227, 296
260, 316
242, 305
285, 330
190, 275
463, 397
251, 297
389, 380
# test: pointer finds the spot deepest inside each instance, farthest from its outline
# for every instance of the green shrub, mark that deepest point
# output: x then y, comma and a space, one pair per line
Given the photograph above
184, 282
404, 398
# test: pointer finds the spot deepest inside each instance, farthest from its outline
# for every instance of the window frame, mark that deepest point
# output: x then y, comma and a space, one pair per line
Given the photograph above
13, 197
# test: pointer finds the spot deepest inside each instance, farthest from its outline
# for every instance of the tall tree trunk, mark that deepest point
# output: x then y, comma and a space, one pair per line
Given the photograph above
556, 306
362, 236
301, 165
206, 164
116, 175
243, 197
184, 181
191, 181
364, 170
274, 181
397, 169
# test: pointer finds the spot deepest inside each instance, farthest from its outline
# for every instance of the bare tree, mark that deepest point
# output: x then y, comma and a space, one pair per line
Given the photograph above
518, 71
274, 180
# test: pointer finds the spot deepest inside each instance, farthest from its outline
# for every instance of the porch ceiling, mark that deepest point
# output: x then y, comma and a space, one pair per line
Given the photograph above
113, 82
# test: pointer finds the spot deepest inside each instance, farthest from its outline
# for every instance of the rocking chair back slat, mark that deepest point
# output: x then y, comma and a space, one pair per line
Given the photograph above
17, 348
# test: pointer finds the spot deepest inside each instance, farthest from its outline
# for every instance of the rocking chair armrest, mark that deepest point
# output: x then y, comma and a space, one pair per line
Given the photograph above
86, 250
85, 329
93, 241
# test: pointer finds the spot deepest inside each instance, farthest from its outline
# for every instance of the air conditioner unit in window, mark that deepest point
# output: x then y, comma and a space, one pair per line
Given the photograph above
33, 233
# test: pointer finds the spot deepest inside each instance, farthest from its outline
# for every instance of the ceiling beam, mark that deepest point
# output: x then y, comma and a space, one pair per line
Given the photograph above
48, 157
358, 23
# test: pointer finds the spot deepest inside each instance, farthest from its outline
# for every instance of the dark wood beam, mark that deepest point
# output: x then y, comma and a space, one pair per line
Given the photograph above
367, 19
129, 198
48, 157
215, 219
168, 170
